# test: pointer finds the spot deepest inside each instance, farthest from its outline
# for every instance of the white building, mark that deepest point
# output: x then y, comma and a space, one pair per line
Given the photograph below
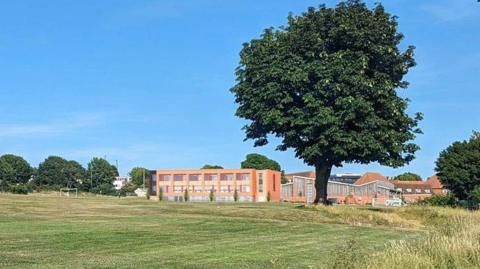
121, 181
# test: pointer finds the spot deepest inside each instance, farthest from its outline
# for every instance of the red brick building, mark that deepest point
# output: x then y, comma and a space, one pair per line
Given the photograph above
251, 185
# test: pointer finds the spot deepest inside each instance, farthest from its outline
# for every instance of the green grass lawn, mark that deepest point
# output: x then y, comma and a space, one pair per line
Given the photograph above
42, 231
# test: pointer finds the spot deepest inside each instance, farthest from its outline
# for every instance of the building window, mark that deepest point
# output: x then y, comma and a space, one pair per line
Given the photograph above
427, 191
245, 188
178, 177
224, 188
260, 182
409, 190
226, 177
211, 177
163, 188
418, 190
194, 177
209, 188
399, 189
178, 188
164, 177
243, 176
153, 183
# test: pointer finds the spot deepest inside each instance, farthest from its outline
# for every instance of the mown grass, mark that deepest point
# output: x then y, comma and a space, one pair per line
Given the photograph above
44, 231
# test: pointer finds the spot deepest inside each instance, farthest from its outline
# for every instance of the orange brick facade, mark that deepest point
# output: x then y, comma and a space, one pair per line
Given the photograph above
251, 185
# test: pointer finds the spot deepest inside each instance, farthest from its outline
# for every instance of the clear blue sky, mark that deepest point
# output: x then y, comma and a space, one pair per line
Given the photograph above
147, 82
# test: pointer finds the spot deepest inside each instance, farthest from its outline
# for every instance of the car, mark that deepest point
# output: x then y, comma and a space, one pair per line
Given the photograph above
394, 202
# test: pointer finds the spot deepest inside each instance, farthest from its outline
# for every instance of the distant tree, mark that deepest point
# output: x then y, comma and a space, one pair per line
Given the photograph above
284, 178
22, 169
7, 174
408, 177
458, 167
102, 174
260, 162
75, 175
186, 196
235, 196
211, 195
209, 166
56, 172
160, 194
138, 174
326, 86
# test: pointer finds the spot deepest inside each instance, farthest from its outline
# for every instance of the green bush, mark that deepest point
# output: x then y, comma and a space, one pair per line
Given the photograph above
105, 189
4, 186
441, 200
20, 189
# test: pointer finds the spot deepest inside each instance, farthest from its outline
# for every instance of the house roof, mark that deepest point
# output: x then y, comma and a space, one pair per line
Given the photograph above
434, 181
302, 174
412, 184
370, 177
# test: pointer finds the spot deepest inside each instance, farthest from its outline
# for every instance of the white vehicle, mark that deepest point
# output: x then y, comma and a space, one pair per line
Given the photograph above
394, 202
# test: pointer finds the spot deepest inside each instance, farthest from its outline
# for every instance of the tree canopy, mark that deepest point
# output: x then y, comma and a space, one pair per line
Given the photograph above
209, 166
326, 85
408, 177
56, 172
138, 174
102, 174
458, 167
7, 174
260, 162
21, 168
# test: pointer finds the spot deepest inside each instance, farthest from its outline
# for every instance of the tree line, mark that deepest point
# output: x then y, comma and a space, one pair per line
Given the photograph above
54, 173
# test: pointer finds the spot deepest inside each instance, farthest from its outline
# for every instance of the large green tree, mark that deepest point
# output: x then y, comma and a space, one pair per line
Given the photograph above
56, 172
260, 162
139, 175
458, 167
408, 177
102, 174
326, 86
7, 174
22, 169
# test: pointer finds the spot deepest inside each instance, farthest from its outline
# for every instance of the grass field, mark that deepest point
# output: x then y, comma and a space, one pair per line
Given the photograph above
44, 231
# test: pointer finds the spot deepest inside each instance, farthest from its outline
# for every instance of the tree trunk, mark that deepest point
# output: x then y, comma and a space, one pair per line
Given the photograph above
322, 174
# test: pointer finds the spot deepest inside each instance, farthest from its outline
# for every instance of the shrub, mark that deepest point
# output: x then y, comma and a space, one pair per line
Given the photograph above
186, 196
235, 195
4, 186
441, 200
20, 189
160, 194
211, 196
269, 196
105, 189
127, 190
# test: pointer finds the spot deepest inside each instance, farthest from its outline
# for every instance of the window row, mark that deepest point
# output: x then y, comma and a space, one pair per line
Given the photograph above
206, 189
409, 190
207, 177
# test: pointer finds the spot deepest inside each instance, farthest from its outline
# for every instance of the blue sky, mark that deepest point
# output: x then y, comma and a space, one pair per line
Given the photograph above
147, 82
